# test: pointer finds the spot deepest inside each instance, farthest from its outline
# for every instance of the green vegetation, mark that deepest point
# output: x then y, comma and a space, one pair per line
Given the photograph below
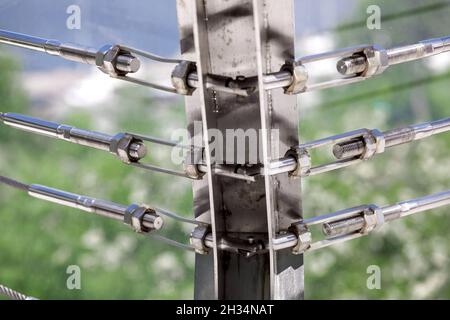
413, 254
39, 240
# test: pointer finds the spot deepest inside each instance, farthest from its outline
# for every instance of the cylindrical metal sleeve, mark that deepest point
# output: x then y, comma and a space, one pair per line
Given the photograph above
89, 138
31, 124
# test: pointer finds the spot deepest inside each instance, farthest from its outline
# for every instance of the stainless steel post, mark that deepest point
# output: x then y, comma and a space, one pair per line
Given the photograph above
220, 37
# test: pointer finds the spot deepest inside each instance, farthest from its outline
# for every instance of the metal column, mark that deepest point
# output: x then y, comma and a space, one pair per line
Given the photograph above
244, 38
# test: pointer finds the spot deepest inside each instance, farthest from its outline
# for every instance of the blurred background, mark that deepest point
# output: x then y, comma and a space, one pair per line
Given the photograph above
38, 240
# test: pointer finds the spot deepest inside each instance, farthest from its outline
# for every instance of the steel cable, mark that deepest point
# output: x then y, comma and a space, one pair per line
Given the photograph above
14, 295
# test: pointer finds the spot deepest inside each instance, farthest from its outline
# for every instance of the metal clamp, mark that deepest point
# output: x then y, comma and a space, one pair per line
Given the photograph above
111, 52
185, 81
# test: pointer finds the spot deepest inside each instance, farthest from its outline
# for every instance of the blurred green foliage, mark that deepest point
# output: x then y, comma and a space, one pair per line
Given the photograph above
38, 240
413, 254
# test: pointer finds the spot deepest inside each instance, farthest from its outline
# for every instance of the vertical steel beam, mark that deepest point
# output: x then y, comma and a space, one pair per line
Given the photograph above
244, 38
274, 34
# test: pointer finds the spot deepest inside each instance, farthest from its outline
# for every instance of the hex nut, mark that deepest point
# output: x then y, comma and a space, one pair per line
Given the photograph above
303, 161
373, 219
374, 142
197, 239
120, 145
304, 238
180, 77
299, 77
377, 61
191, 162
106, 59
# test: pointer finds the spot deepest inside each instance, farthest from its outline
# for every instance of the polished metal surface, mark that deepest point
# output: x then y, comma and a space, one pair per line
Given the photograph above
278, 113
239, 72
86, 138
100, 207
394, 137
205, 265
128, 147
353, 147
356, 222
358, 64
391, 212
228, 198
69, 51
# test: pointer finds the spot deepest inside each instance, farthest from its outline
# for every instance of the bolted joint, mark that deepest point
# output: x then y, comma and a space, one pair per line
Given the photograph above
374, 143
192, 164
377, 61
370, 143
299, 77
197, 239
303, 158
180, 77
304, 238
373, 219
193, 171
115, 61
127, 148
142, 219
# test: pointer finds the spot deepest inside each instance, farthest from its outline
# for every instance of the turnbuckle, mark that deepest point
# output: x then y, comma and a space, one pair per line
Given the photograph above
373, 140
352, 223
353, 147
356, 64
299, 237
